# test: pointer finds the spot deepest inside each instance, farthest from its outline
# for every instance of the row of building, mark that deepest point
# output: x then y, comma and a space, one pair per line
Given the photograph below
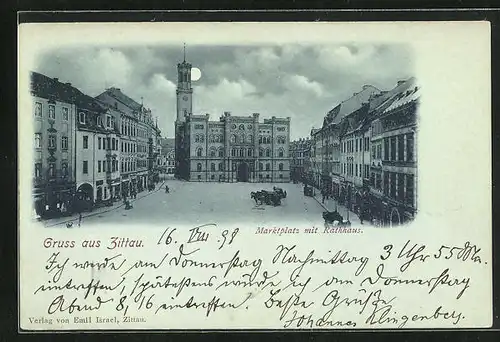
97, 149
364, 155
232, 149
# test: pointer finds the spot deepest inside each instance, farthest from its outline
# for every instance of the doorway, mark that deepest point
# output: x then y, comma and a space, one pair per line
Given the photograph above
243, 172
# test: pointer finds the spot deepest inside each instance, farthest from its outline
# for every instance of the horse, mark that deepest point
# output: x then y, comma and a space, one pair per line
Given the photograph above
258, 196
331, 216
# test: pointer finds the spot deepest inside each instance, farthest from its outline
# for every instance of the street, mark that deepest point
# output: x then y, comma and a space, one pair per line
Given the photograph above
194, 203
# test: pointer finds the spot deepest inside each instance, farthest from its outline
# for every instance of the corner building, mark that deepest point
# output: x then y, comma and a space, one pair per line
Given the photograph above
233, 149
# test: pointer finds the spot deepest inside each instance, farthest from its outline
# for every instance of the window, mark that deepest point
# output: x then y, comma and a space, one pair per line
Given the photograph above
212, 153
250, 139
199, 152
85, 167
221, 152
198, 167
221, 167
52, 170
99, 143
392, 188
267, 176
81, 117
281, 153
85, 141
401, 148
199, 177
409, 147
65, 114
38, 170
379, 151
38, 109
52, 111
64, 143
99, 121
108, 121
38, 140
233, 139
241, 152
261, 152
250, 152
356, 169
268, 153
212, 167
280, 166
367, 144
386, 148
241, 128
281, 176
393, 148
261, 166
104, 143
410, 184
401, 187
108, 143
98, 166
268, 166
52, 141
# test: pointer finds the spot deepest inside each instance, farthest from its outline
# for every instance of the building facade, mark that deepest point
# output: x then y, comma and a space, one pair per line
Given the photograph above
233, 149
299, 153
54, 109
364, 154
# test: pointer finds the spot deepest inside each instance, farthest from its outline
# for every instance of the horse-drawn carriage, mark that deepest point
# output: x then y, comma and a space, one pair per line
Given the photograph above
268, 197
334, 216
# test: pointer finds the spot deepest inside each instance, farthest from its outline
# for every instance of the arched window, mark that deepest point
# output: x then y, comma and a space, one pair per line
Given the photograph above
233, 139
250, 151
221, 138
268, 152
281, 153
241, 152
242, 138
250, 139
212, 152
261, 166
202, 138
199, 152
241, 128
221, 167
233, 152
260, 139
268, 166
261, 152
212, 167
280, 166
198, 167
268, 140
221, 152
196, 138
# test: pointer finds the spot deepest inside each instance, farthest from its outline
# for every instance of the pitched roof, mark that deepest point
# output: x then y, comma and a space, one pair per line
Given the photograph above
50, 88
352, 104
118, 95
392, 95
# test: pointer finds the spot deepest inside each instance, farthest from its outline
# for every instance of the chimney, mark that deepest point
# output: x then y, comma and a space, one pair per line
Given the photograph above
68, 84
227, 113
56, 79
401, 82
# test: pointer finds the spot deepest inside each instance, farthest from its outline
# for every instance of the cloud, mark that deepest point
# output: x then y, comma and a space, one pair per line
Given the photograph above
300, 81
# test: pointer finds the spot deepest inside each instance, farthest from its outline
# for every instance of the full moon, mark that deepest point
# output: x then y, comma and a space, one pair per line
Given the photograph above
195, 74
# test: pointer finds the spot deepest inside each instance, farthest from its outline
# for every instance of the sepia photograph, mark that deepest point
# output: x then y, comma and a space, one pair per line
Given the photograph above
325, 134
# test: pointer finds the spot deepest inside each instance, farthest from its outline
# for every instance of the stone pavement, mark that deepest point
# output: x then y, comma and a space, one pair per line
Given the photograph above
97, 211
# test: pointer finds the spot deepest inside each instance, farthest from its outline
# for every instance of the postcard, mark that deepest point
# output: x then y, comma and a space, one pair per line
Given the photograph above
253, 176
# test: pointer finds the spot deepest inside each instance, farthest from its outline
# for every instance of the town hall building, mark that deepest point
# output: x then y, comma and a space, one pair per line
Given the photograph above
233, 149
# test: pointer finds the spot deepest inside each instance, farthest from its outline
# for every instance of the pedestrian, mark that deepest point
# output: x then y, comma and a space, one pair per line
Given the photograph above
323, 197
79, 218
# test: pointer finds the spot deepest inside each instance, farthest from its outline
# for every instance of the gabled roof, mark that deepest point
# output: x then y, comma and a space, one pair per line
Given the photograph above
50, 88
355, 102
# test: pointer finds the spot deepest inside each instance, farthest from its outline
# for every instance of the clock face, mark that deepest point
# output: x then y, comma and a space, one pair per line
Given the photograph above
185, 98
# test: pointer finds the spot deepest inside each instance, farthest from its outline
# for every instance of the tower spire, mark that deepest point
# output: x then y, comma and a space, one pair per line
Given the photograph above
184, 52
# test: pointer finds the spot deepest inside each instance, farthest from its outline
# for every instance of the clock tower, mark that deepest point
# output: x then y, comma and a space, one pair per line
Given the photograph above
184, 90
